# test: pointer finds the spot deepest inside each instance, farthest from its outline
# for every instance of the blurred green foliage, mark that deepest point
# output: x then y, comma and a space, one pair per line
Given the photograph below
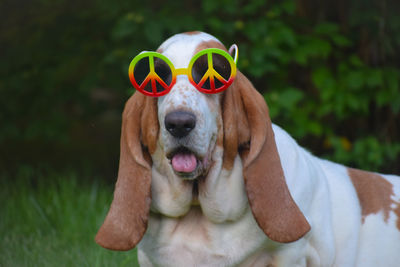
330, 72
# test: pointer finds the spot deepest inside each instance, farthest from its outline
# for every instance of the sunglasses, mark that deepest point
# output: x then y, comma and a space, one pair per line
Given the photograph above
211, 71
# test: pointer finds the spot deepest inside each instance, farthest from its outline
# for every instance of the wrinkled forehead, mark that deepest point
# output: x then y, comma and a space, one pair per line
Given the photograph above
181, 48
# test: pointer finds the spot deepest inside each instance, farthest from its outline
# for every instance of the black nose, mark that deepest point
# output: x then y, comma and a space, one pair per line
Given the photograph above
180, 123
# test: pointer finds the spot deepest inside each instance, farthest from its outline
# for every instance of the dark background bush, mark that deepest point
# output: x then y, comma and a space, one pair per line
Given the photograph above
329, 70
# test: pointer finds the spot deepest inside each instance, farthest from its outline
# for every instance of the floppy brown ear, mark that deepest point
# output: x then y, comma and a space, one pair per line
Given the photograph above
126, 221
248, 129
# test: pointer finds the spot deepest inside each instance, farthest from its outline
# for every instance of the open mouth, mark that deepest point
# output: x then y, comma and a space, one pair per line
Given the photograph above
186, 163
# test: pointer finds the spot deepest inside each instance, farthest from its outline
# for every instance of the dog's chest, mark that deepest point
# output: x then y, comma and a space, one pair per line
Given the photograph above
194, 240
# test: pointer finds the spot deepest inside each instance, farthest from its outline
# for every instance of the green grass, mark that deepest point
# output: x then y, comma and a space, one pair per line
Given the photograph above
51, 220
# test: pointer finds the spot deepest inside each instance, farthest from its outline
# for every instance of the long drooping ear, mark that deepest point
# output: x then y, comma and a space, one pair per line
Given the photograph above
126, 221
248, 129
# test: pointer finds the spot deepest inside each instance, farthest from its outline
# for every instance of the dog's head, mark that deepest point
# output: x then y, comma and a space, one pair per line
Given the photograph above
183, 128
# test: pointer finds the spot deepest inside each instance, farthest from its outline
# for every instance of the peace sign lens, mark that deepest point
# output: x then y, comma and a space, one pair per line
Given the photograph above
210, 71
151, 73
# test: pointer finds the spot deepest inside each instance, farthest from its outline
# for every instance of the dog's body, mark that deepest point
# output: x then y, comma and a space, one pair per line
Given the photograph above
250, 184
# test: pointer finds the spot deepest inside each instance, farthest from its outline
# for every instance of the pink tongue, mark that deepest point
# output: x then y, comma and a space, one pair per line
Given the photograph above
184, 162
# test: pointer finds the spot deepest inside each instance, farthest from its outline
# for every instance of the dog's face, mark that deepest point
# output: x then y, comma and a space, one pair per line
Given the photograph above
189, 120
187, 134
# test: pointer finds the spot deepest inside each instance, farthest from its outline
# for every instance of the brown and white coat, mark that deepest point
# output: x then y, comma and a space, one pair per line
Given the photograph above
256, 197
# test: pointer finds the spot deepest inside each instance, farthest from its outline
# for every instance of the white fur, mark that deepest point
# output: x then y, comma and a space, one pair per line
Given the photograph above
218, 229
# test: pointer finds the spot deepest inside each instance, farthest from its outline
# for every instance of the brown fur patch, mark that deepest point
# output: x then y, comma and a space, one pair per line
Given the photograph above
235, 123
192, 33
373, 191
397, 212
149, 124
209, 44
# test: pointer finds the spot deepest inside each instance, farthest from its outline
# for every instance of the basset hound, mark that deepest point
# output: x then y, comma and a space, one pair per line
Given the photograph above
208, 180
